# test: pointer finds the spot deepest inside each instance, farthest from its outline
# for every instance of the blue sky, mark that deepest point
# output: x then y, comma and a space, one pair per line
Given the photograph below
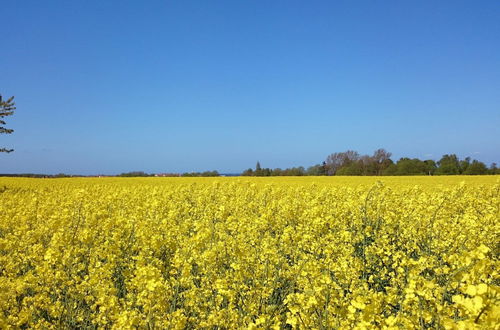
173, 86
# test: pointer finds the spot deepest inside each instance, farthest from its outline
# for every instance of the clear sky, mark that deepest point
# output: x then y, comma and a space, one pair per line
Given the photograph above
173, 86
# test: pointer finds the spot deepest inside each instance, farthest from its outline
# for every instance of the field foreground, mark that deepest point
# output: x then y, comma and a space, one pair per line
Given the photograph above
309, 252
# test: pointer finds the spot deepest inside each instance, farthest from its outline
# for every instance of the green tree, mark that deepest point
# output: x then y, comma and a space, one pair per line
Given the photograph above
318, 169
6, 109
134, 174
277, 172
430, 166
476, 168
258, 169
354, 168
323, 169
408, 166
390, 170
464, 164
493, 169
448, 165
248, 172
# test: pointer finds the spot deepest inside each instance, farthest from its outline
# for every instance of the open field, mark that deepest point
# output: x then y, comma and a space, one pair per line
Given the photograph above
301, 252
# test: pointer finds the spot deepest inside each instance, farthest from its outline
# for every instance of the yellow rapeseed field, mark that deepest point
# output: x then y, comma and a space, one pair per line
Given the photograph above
308, 253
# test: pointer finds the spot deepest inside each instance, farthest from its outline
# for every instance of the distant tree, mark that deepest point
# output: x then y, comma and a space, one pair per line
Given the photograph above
493, 169
464, 164
201, 174
277, 172
334, 162
265, 172
430, 167
258, 169
368, 165
390, 170
317, 170
6, 109
448, 165
134, 174
323, 169
351, 162
476, 168
408, 166
340, 159
295, 171
353, 168
62, 175
382, 160
248, 172
210, 173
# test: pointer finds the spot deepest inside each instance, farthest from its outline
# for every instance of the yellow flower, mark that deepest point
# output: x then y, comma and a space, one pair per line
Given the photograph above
310, 252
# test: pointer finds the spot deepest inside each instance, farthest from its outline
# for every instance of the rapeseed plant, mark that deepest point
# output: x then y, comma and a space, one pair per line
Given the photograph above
250, 253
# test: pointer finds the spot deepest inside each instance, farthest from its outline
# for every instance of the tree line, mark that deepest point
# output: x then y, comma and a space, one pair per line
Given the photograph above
350, 162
